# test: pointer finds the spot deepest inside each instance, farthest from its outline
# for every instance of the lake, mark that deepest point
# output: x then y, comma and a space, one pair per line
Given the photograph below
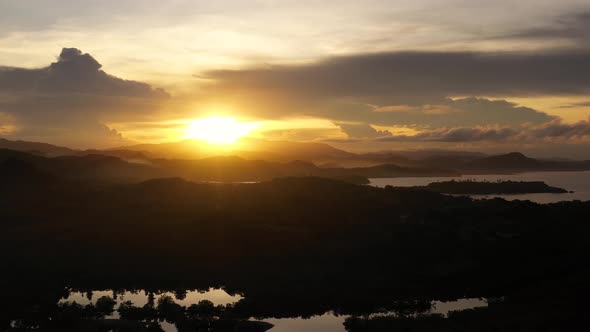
333, 323
328, 322
579, 182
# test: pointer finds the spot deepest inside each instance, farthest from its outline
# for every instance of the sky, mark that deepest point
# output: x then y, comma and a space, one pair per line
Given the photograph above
492, 76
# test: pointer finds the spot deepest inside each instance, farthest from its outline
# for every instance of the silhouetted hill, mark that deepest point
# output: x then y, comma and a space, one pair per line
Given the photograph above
247, 148
14, 171
235, 169
422, 158
128, 155
422, 154
185, 149
448, 161
42, 149
518, 162
99, 167
258, 160
85, 167
287, 151
291, 247
469, 162
433, 162
509, 161
377, 158
6, 154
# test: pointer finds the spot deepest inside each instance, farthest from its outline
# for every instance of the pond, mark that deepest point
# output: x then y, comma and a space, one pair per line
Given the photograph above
328, 322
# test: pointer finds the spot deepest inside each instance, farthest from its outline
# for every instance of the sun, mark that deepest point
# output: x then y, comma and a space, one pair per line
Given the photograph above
218, 130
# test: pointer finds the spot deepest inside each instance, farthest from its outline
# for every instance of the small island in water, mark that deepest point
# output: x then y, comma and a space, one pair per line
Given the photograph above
471, 187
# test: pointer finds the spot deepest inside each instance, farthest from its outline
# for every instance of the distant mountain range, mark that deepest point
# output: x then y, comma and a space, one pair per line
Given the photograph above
37, 148
106, 168
256, 160
91, 167
248, 148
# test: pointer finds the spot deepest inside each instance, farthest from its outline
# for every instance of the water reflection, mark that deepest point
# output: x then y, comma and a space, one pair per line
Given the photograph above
324, 323
141, 297
445, 307
328, 322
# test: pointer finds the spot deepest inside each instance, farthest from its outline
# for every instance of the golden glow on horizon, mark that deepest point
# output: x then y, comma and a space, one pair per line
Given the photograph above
153, 132
218, 130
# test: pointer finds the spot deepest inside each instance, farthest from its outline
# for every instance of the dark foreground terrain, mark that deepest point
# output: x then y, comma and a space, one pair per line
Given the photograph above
291, 247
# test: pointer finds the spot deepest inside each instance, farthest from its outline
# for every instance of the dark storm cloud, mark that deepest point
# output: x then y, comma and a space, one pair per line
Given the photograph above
74, 72
458, 112
421, 74
408, 88
69, 100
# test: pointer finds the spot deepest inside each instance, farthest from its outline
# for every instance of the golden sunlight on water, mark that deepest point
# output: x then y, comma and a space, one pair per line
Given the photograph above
140, 297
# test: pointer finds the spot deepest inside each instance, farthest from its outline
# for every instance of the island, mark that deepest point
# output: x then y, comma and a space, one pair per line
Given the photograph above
471, 187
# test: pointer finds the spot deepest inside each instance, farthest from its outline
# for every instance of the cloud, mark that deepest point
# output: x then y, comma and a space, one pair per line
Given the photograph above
575, 105
554, 131
69, 101
407, 88
424, 109
298, 134
574, 27
458, 112
74, 73
558, 129
6, 124
388, 111
422, 74
463, 134
395, 108
363, 130
78, 135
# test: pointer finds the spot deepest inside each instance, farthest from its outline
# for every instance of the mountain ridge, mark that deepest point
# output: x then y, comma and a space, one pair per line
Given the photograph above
419, 163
